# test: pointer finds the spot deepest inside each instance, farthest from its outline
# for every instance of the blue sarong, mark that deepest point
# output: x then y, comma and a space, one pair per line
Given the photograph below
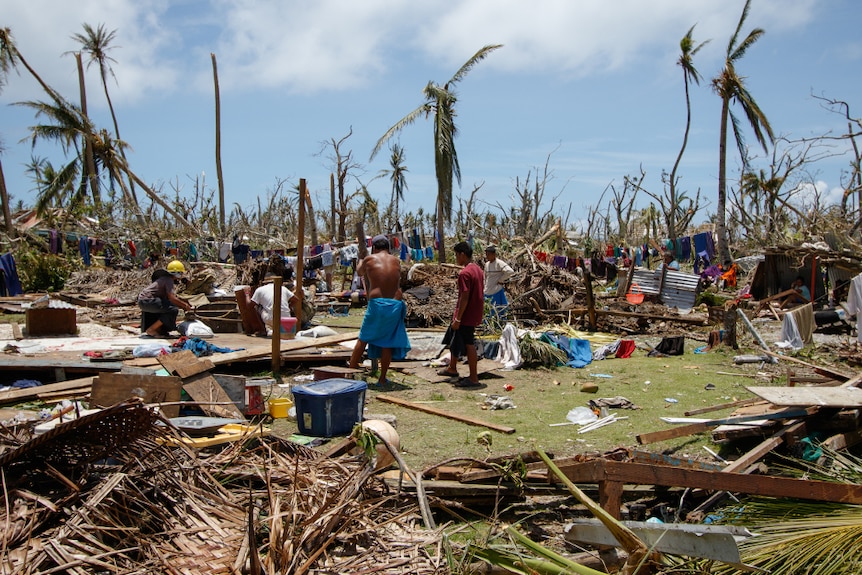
498, 303
383, 328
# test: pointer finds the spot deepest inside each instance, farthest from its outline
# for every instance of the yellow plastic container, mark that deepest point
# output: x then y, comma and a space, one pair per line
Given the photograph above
280, 407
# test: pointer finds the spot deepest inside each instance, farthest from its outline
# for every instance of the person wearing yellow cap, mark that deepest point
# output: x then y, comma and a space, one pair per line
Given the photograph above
159, 299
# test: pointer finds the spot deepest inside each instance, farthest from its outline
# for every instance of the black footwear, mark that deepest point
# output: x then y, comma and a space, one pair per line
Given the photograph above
465, 382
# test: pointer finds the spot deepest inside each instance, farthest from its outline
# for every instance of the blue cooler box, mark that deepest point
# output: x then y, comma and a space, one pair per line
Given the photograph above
329, 407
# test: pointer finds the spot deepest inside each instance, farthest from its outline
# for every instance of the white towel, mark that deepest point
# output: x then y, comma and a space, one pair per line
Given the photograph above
509, 354
854, 304
790, 337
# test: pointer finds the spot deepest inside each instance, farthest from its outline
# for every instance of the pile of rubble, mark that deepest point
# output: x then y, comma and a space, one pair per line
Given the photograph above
118, 491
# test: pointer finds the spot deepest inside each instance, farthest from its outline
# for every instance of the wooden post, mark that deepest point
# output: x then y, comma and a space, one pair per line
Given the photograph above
276, 326
661, 280
360, 239
623, 287
559, 236
730, 315
591, 304
300, 249
813, 277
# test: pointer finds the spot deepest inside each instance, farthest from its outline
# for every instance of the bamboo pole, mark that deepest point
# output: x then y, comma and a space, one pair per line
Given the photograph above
300, 249
276, 326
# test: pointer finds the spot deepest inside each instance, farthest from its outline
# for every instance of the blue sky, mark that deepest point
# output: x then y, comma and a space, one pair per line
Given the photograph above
592, 83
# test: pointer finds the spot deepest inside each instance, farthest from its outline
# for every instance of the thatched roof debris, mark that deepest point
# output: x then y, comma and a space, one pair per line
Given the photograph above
117, 492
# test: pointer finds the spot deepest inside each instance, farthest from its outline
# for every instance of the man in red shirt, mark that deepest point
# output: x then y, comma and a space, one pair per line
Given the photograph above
469, 312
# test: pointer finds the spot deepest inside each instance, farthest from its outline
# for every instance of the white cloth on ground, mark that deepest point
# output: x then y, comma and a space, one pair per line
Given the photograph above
854, 304
509, 354
790, 337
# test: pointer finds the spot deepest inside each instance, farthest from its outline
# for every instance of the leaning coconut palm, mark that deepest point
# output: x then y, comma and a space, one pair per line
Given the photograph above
689, 74
440, 103
397, 173
9, 60
96, 43
731, 88
68, 127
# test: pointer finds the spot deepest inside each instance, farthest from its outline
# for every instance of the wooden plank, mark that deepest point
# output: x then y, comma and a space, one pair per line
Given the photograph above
16, 332
843, 440
286, 345
680, 319
446, 414
262, 352
829, 372
720, 406
806, 396
211, 397
28, 393
600, 470
112, 388
185, 363
46, 361
693, 428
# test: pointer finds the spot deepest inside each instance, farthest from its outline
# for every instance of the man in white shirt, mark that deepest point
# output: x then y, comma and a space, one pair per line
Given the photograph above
264, 299
497, 273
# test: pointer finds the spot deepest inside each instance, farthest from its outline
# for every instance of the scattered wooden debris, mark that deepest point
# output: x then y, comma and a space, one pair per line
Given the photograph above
118, 492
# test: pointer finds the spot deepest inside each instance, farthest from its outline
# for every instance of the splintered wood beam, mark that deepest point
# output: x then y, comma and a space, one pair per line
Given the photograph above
446, 414
605, 473
720, 406
683, 430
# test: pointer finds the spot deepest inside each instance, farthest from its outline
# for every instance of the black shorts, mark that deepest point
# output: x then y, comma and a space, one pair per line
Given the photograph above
459, 339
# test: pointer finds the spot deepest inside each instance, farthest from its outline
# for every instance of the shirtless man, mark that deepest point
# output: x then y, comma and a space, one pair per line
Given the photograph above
383, 330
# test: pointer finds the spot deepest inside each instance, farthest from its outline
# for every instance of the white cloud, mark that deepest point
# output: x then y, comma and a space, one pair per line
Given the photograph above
301, 46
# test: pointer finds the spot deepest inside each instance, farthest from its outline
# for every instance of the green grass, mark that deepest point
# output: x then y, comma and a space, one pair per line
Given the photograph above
544, 397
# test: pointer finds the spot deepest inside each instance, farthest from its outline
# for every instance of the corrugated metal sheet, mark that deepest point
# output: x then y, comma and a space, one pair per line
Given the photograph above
679, 289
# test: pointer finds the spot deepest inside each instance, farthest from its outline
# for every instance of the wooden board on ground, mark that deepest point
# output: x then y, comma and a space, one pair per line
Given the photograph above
286, 345
259, 351
72, 387
430, 373
112, 388
691, 429
211, 397
446, 414
805, 396
334, 371
185, 363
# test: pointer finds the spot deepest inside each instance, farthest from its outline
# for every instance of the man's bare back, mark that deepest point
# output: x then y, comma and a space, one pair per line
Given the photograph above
382, 273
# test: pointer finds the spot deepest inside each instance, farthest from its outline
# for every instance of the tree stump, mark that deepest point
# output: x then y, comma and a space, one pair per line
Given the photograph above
730, 324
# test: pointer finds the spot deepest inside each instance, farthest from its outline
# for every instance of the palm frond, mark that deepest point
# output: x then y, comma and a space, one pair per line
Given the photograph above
732, 42
756, 118
474, 59
752, 37
424, 108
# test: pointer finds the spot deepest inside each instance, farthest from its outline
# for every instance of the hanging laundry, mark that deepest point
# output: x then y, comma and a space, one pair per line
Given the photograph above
84, 248
11, 281
685, 249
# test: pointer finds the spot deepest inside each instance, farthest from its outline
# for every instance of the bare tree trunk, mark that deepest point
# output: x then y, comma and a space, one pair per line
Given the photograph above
730, 314
441, 250
721, 204
218, 146
4, 197
300, 248
90, 162
332, 234
311, 218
